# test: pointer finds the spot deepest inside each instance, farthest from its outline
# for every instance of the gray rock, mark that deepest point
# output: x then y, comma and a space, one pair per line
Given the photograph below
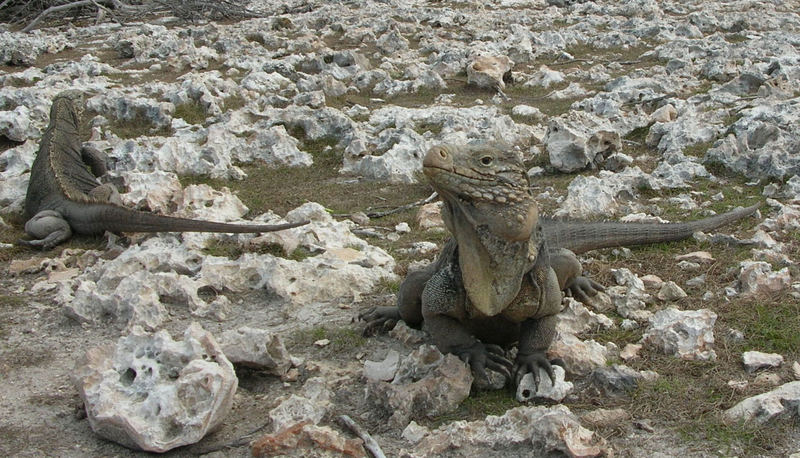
686, 334
615, 380
778, 403
547, 430
382, 370
310, 406
755, 360
671, 292
757, 277
579, 141
580, 357
152, 393
427, 384
257, 348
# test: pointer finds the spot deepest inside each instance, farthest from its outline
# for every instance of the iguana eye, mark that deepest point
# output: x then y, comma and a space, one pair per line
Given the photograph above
486, 160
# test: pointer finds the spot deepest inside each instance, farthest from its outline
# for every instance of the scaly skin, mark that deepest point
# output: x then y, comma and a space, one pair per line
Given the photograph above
500, 278
65, 197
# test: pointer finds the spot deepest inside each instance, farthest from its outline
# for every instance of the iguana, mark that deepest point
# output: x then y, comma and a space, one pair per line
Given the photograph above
499, 278
65, 196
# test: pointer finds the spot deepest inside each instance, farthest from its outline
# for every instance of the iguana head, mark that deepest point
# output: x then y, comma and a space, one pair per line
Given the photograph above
489, 184
489, 209
68, 107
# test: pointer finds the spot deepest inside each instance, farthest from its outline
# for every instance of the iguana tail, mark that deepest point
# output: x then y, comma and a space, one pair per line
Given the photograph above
581, 237
96, 218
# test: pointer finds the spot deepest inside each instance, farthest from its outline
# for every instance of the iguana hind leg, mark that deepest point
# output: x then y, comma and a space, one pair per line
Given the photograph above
47, 228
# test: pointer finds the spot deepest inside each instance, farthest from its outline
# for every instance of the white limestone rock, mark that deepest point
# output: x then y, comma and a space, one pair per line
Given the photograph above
152, 393
555, 390
580, 357
671, 292
16, 125
257, 348
576, 318
755, 360
780, 402
757, 277
382, 370
687, 334
576, 142
311, 405
603, 195
426, 384
547, 429
488, 71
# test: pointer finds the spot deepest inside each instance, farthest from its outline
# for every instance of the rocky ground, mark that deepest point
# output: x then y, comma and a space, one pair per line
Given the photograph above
633, 110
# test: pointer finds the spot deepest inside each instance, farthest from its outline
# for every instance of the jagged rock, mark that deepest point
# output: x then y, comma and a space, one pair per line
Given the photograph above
16, 125
762, 142
767, 380
414, 433
308, 407
755, 360
304, 439
671, 292
427, 384
257, 348
666, 113
547, 430
577, 142
382, 370
781, 402
629, 298
696, 256
757, 277
616, 380
603, 195
580, 357
575, 318
152, 393
489, 71
686, 334
606, 417
555, 390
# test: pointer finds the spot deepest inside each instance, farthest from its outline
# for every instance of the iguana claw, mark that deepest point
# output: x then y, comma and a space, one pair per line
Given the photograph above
582, 288
480, 356
379, 319
532, 363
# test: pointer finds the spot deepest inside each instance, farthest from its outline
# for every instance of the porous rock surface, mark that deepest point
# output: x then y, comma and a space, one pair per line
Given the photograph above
152, 393
662, 97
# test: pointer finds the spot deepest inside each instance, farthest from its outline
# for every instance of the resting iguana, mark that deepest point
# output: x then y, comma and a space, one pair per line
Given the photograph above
500, 277
64, 196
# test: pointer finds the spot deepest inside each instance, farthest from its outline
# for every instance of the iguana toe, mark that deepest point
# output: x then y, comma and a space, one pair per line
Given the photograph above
532, 363
379, 319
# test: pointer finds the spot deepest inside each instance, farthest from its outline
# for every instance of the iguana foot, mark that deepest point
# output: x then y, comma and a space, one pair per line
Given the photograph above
480, 356
379, 319
582, 288
532, 363
48, 228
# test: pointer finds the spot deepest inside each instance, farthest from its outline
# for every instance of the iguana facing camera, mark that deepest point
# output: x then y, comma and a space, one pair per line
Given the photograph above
500, 278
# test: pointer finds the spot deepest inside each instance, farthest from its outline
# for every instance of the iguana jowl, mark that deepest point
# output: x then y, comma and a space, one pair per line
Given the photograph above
64, 196
500, 278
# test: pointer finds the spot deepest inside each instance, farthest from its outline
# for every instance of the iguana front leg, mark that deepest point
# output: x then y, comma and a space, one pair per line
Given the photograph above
568, 270
95, 159
443, 310
534, 340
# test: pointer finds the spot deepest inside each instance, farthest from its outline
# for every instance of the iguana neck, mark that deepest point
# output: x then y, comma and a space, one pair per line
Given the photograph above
492, 266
